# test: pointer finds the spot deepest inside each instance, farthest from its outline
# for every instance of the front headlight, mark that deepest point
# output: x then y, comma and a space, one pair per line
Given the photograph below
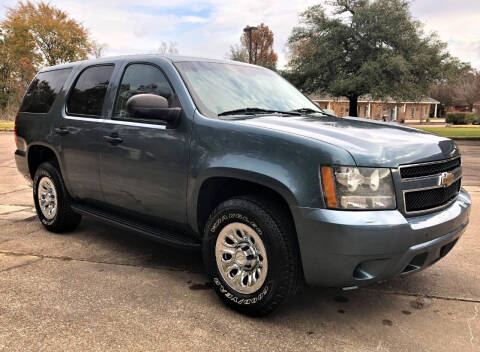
357, 188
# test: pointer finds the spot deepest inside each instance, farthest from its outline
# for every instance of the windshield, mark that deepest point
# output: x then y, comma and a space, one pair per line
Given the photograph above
217, 88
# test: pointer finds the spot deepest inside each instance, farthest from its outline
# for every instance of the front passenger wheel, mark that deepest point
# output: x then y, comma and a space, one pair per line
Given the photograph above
52, 201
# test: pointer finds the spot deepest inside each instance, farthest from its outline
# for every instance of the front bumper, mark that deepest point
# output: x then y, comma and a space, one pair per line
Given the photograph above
348, 248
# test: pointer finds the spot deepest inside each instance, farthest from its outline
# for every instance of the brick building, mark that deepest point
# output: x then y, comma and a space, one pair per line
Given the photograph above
388, 109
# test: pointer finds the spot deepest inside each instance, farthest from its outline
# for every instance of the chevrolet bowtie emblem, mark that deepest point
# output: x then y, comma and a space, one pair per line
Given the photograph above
447, 179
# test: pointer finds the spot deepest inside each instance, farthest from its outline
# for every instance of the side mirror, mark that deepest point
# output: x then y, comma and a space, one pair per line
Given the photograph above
152, 107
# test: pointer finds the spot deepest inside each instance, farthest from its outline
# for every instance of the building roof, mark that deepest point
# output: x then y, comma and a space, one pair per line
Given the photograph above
367, 98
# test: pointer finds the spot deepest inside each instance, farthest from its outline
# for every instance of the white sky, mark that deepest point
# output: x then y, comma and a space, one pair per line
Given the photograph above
208, 28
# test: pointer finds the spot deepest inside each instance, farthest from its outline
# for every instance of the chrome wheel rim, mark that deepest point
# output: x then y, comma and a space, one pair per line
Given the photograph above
241, 258
47, 198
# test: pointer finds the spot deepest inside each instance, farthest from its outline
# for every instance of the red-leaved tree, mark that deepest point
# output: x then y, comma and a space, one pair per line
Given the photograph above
262, 48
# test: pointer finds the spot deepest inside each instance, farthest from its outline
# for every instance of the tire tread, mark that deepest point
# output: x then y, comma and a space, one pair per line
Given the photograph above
273, 216
66, 219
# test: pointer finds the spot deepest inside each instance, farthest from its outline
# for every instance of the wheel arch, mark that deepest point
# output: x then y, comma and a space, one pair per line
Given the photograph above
38, 153
221, 184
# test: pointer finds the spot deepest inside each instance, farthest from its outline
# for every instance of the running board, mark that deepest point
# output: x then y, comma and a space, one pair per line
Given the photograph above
165, 237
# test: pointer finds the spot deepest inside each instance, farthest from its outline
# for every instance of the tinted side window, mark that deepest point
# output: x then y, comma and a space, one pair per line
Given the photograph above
89, 92
142, 79
43, 90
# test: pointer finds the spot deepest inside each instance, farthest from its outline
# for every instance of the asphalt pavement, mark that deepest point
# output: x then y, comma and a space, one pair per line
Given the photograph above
104, 289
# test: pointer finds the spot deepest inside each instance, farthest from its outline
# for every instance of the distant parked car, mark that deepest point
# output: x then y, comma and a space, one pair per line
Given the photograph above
231, 158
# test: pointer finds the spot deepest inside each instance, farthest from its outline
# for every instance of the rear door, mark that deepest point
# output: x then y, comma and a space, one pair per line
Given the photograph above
80, 132
144, 163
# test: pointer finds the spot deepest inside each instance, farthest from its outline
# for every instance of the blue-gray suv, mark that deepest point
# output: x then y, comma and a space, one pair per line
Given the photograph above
231, 159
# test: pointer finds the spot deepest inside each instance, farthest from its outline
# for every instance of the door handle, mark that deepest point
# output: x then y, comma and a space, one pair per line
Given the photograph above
62, 131
113, 139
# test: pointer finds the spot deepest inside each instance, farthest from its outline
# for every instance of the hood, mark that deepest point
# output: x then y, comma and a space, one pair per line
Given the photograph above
371, 143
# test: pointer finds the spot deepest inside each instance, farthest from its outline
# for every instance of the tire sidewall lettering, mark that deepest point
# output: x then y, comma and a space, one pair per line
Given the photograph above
235, 299
267, 219
235, 216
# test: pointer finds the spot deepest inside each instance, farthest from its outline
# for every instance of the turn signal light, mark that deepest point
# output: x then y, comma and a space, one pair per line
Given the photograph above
328, 187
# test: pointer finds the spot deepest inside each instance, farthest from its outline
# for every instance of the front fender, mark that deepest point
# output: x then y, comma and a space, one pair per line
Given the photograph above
286, 163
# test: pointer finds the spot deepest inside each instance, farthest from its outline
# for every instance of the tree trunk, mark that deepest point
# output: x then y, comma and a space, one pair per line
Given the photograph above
353, 109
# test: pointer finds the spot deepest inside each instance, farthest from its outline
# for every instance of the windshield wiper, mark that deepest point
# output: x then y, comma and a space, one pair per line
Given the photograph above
312, 111
305, 110
254, 111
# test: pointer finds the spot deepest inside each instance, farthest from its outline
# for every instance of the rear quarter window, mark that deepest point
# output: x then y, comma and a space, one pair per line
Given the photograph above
43, 91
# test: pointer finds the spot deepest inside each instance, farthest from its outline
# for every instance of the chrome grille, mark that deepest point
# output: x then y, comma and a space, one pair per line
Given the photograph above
428, 169
430, 186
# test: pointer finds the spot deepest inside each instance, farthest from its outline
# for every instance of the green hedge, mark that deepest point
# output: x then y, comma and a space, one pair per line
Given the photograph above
462, 118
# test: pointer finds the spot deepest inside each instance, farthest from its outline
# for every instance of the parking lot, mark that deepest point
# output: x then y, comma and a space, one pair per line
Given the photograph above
100, 288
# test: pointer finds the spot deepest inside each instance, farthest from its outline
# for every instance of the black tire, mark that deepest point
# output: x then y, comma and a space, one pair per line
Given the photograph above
65, 219
284, 275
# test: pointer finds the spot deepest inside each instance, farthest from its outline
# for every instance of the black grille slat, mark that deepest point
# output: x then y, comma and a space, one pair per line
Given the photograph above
431, 198
429, 169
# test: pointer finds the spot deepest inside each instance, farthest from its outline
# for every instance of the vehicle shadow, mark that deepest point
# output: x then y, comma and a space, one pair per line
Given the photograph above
104, 243
101, 242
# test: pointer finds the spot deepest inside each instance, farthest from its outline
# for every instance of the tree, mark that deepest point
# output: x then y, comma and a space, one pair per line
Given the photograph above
446, 94
262, 48
366, 47
34, 35
468, 88
168, 48
98, 49
52, 36
238, 53
465, 90
16, 66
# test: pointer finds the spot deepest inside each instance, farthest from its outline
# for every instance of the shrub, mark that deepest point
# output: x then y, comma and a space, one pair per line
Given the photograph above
8, 113
461, 118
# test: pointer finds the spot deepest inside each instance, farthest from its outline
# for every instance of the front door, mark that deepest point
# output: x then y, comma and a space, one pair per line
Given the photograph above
143, 163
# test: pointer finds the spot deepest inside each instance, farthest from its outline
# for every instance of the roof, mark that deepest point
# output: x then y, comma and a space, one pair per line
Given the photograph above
367, 98
146, 57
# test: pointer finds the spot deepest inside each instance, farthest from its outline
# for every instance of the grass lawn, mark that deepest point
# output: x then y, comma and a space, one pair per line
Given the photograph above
453, 131
7, 125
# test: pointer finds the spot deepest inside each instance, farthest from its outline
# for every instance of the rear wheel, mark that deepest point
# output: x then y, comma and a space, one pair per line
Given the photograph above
52, 202
250, 255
